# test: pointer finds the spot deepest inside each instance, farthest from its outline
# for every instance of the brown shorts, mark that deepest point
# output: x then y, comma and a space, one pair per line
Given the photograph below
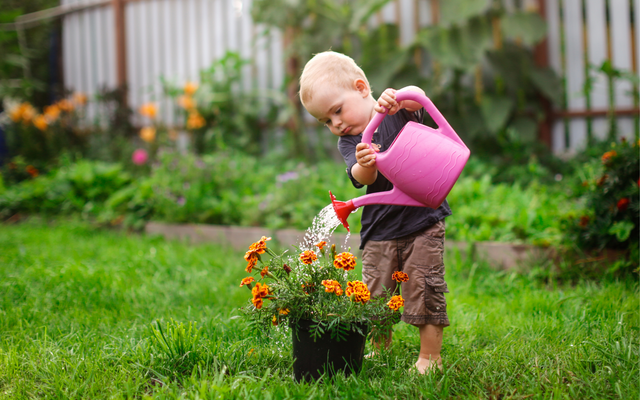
419, 255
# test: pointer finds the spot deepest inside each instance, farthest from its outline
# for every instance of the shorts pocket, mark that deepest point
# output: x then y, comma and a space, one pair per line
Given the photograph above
435, 288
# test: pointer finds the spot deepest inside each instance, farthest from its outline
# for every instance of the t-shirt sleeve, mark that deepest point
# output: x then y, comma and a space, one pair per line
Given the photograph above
347, 146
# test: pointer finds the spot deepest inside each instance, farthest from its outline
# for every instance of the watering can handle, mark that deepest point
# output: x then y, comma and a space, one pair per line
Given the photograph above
443, 125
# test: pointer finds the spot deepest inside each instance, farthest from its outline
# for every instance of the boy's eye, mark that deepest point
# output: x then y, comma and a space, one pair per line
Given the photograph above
338, 110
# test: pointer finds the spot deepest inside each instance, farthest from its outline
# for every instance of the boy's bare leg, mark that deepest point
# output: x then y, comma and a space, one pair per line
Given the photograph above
430, 346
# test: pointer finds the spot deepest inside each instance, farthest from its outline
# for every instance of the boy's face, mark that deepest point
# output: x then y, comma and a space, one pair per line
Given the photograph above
343, 111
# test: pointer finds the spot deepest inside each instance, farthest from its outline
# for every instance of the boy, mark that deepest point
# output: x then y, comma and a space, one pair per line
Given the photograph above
393, 238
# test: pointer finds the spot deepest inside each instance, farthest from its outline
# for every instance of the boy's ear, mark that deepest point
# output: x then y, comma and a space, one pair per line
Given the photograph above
362, 87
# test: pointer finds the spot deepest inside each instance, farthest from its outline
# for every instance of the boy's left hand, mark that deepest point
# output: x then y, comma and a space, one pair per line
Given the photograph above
387, 101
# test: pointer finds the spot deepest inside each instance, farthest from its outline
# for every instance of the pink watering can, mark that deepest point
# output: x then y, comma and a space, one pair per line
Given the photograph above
422, 163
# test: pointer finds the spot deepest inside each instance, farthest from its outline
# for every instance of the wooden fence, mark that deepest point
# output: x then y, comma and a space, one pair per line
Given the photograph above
177, 38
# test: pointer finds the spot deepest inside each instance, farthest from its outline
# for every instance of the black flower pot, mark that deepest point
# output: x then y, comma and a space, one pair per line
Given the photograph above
312, 358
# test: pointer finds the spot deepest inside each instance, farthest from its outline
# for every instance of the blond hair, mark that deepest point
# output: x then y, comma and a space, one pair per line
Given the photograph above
329, 68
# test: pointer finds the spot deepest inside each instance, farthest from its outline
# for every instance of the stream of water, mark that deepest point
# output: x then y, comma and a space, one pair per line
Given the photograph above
321, 229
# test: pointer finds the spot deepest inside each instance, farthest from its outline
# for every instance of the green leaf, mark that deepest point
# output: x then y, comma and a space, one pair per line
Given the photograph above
454, 12
526, 26
622, 230
547, 82
496, 111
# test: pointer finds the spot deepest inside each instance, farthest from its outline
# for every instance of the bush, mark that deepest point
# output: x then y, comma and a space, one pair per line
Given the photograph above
610, 194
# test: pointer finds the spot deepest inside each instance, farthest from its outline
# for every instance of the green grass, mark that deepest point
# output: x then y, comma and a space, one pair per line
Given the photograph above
77, 312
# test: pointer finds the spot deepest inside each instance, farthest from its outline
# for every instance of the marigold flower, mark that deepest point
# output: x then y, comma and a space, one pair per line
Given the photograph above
148, 110
623, 204
395, 303
148, 134
286, 268
247, 281
400, 276
283, 311
252, 260
187, 102
33, 171
52, 113
345, 261
264, 271
40, 122
358, 291
321, 244
16, 113
332, 286
65, 105
80, 98
256, 249
257, 302
274, 320
608, 156
260, 290
308, 256
27, 112
195, 120
190, 88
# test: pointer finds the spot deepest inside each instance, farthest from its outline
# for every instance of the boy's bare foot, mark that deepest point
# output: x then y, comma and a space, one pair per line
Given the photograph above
426, 366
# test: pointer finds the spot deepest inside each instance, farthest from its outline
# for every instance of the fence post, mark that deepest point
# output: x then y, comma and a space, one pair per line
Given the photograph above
541, 55
121, 47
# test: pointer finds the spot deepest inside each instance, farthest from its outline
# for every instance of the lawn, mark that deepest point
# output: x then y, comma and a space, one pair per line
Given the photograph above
78, 307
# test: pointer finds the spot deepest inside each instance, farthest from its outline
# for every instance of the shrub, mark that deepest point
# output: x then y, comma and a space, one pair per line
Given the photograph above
610, 193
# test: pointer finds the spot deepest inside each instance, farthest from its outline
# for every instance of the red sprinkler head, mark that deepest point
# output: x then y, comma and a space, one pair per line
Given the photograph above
342, 209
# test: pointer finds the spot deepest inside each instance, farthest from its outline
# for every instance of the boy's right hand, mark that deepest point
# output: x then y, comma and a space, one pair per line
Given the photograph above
366, 155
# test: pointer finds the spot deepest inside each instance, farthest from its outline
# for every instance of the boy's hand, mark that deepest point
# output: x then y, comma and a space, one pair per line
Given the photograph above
387, 101
366, 155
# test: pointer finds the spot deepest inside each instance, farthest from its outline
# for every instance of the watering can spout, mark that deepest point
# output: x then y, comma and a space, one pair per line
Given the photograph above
342, 209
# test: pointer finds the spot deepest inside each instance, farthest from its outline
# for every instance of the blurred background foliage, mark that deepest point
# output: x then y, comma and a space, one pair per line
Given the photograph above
245, 157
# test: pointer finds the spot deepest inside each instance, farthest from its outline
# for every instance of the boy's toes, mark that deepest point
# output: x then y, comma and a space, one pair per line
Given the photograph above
426, 366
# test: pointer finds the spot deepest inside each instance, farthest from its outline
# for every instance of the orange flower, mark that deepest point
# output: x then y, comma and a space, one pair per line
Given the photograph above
247, 281
195, 120
602, 180
623, 204
257, 302
257, 248
148, 110
27, 112
52, 113
65, 105
264, 271
608, 156
286, 268
40, 122
321, 244
80, 98
148, 134
252, 260
274, 320
332, 286
345, 261
395, 303
358, 291
400, 276
308, 256
187, 102
283, 311
16, 113
33, 171
260, 290
190, 88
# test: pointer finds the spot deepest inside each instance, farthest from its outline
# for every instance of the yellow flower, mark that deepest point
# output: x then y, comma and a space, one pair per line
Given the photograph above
247, 281
274, 320
190, 88
187, 102
148, 110
308, 256
283, 311
80, 98
400, 276
65, 105
358, 291
148, 134
195, 120
395, 303
345, 261
40, 122
52, 113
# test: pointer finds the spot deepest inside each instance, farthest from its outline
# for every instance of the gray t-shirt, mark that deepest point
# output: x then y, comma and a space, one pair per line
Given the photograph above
382, 221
